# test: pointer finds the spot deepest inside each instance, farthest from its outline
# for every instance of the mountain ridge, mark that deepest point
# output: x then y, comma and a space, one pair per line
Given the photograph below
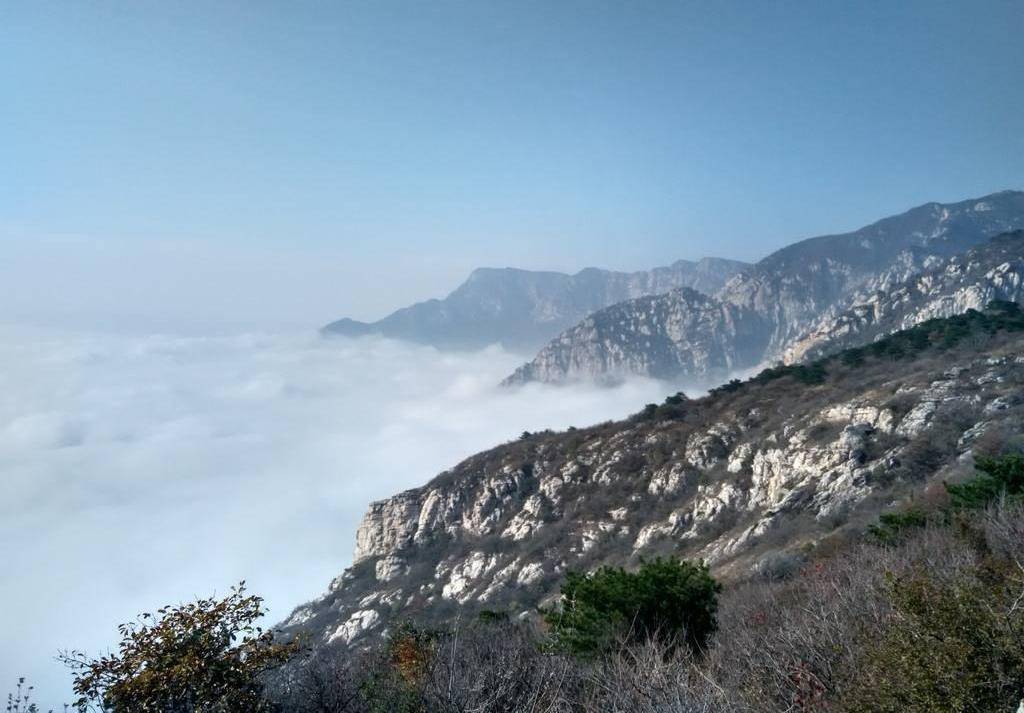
991, 271
523, 309
781, 296
778, 463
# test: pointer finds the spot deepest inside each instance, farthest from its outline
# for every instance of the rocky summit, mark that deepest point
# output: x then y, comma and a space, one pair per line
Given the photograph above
785, 462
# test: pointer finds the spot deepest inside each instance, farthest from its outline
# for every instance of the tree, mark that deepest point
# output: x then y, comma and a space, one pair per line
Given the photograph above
666, 600
999, 477
204, 656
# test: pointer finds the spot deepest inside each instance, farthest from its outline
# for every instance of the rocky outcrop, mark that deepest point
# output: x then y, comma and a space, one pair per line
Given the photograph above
992, 271
772, 463
523, 309
777, 300
681, 333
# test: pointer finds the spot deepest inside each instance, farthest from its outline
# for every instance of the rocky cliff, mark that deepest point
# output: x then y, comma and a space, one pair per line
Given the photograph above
992, 271
780, 298
522, 309
783, 462
680, 333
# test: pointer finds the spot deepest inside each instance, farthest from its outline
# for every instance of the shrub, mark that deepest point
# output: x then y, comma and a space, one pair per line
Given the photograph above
809, 374
892, 527
671, 601
674, 408
204, 656
950, 646
493, 665
1000, 477
398, 677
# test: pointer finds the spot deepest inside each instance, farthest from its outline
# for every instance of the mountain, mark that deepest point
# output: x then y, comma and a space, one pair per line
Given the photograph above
785, 462
779, 299
663, 336
992, 271
522, 309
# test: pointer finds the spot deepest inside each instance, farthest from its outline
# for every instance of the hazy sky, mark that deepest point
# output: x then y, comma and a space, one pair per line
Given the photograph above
196, 164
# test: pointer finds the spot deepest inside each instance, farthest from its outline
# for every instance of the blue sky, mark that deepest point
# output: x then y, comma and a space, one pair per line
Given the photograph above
210, 164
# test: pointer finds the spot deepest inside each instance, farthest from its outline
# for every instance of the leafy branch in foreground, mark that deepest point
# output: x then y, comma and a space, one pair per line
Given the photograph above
207, 655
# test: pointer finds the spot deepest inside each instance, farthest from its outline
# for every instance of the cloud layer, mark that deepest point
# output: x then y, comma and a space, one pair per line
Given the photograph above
141, 471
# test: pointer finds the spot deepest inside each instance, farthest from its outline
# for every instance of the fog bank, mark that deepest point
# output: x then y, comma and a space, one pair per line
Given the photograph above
141, 471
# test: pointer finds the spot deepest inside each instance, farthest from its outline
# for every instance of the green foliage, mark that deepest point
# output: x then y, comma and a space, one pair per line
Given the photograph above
674, 408
204, 656
852, 357
893, 527
809, 374
728, 387
950, 646
671, 601
491, 616
938, 333
999, 477
948, 332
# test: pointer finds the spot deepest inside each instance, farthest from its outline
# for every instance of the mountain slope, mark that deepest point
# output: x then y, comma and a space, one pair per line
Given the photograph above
784, 294
991, 271
781, 461
522, 309
679, 333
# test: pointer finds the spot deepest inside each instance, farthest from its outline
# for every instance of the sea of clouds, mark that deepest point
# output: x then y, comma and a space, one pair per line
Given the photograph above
139, 471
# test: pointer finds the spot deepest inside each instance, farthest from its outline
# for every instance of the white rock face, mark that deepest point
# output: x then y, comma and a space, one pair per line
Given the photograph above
529, 574
682, 332
389, 567
389, 525
526, 521
992, 271
668, 481
466, 574
355, 625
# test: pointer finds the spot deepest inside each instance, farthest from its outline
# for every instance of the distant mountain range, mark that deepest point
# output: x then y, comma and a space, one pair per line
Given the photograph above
763, 311
523, 309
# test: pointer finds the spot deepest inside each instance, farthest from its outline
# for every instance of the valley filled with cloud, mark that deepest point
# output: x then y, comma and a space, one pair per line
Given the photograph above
147, 470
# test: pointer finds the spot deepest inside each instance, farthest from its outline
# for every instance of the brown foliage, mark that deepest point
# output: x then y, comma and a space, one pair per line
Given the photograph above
204, 656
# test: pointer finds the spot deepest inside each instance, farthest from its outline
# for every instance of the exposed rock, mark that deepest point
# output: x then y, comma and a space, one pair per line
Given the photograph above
354, 626
466, 574
680, 333
991, 271
793, 300
387, 568
737, 466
